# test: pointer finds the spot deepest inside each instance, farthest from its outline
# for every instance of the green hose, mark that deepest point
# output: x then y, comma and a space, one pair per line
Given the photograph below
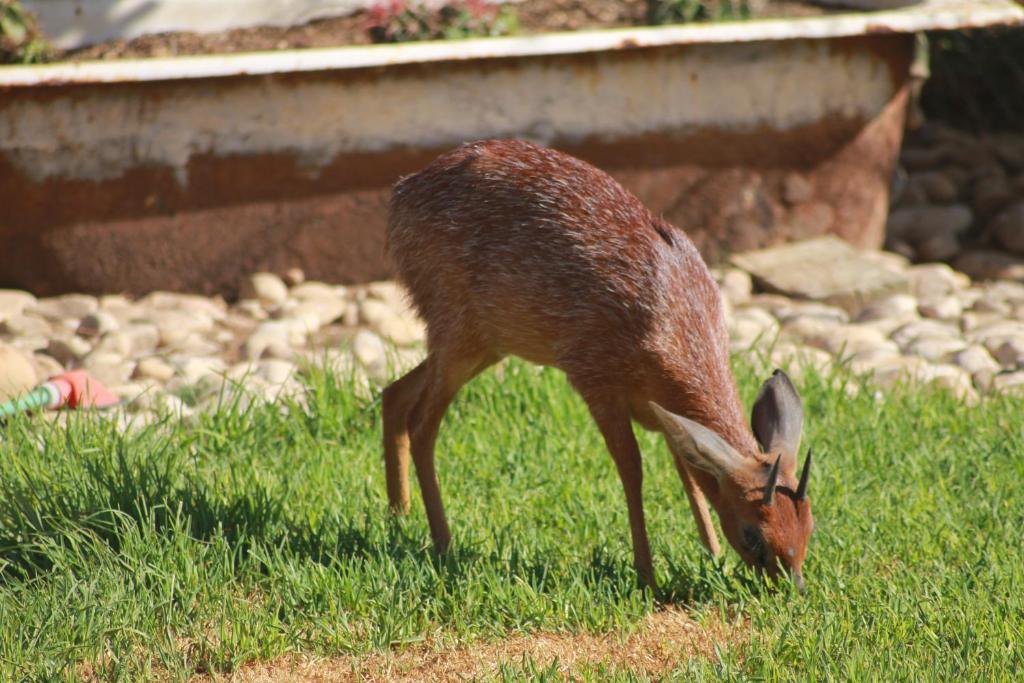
40, 397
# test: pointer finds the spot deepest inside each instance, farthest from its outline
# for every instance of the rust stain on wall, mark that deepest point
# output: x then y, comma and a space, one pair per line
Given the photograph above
145, 229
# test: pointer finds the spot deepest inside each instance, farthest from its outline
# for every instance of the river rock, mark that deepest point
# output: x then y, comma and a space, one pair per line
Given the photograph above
153, 368
935, 348
14, 302
268, 288
943, 308
66, 307
975, 359
1010, 383
1010, 353
370, 351
896, 307
17, 374
825, 269
1008, 228
21, 325
935, 280
984, 264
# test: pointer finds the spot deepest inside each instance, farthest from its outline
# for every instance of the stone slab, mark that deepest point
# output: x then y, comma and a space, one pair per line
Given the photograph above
825, 269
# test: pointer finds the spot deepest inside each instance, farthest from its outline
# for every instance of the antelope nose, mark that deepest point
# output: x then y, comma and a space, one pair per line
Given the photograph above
798, 581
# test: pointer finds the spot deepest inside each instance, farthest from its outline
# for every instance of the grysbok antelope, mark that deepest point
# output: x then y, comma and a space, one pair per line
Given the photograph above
510, 248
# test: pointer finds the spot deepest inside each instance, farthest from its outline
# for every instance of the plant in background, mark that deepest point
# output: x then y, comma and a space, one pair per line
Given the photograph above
397, 21
477, 18
685, 11
20, 40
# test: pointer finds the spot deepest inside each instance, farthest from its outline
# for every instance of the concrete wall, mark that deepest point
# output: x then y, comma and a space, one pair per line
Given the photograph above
188, 183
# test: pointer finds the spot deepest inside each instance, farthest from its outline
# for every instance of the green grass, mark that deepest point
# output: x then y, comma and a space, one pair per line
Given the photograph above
185, 549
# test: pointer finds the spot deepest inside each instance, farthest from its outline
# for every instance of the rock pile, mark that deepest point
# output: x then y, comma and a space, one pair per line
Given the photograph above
187, 353
960, 199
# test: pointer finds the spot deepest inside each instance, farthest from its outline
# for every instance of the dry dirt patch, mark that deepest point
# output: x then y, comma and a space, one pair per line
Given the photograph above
662, 642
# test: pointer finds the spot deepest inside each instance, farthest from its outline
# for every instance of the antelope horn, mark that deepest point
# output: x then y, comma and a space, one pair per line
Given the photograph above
773, 476
801, 489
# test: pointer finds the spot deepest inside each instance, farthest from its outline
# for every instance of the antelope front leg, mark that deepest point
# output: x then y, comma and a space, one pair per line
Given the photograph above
614, 422
699, 506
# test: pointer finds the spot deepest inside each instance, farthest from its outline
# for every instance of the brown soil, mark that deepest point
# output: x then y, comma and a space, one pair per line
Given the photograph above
535, 16
661, 643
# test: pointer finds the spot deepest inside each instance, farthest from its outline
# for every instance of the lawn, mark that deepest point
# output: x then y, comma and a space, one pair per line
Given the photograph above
256, 537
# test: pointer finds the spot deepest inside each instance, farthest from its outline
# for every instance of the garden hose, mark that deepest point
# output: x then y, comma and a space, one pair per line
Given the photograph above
44, 396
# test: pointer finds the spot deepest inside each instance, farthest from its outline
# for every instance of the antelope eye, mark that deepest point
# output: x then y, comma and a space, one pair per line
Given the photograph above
754, 543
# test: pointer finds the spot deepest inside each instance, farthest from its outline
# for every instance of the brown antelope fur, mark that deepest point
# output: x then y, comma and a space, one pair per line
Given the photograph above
510, 248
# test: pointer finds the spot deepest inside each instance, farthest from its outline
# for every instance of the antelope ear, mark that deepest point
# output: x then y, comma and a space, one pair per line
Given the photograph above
697, 445
778, 418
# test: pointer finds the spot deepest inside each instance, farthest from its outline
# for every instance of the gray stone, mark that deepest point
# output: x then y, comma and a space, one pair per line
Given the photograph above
46, 366
68, 350
316, 291
994, 335
294, 276
372, 311
17, 373
850, 339
65, 307
736, 285
1012, 292
351, 317
214, 308
21, 325
1009, 383
796, 189
938, 247
984, 264
799, 358
971, 321
895, 307
97, 324
804, 328
899, 369
176, 326
826, 269
109, 368
14, 302
1007, 228
894, 262
401, 329
388, 292
1010, 353
135, 339
871, 359
370, 351
940, 187
749, 324
318, 312
953, 378
194, 370
153, 368
811, 309
251, 308
975, 359
917, 329
935, 348
916, 224
935, 280
944, 308
268, 288
276, 372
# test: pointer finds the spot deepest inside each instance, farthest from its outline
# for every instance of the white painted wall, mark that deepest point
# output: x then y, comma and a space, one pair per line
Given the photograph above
100, 133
